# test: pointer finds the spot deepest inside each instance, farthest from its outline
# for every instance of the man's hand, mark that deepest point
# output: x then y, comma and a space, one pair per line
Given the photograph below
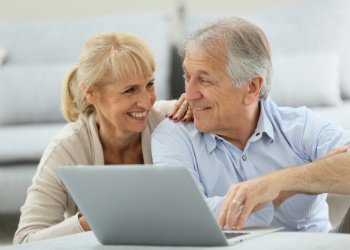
245, 198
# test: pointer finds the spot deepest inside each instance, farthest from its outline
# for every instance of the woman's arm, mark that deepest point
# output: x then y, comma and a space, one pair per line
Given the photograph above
43, 214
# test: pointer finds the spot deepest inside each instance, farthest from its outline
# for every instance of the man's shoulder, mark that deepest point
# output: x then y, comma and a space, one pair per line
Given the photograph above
294, 121
287, 114
170, 127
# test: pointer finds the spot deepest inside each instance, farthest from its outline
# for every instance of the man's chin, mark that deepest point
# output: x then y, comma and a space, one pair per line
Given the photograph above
200, 126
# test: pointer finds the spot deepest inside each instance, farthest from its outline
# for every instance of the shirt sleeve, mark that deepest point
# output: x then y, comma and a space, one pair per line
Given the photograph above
172, 146
321, 136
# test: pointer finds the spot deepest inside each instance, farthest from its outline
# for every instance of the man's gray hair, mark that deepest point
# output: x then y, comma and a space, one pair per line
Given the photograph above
241, 45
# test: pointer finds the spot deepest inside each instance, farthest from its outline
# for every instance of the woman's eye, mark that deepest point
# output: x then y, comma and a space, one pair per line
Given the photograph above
130, 91
150, 85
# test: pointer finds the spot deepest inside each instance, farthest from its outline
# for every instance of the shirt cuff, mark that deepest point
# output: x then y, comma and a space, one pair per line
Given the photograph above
66, 227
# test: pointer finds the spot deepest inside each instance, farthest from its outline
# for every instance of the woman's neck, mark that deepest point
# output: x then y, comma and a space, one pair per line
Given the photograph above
120, 147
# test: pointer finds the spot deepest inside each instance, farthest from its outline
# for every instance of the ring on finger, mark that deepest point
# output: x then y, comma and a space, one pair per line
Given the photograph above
236, 202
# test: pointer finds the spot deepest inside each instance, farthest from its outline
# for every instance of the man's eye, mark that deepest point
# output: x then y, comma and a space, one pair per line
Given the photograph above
204, 81
185, 77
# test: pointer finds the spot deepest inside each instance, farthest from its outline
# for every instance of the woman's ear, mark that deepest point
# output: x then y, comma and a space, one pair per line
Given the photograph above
253, 90
89, 93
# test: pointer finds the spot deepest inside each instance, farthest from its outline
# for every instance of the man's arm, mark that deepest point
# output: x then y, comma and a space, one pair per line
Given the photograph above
330, 174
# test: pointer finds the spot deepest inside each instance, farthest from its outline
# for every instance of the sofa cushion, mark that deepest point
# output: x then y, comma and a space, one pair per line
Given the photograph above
31, 93
14, 182
3, 54
26, 143
310, 79
315, 26
60, 40
337, 114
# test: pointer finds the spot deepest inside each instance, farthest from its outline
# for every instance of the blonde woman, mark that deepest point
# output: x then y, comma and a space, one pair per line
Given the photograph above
109, 101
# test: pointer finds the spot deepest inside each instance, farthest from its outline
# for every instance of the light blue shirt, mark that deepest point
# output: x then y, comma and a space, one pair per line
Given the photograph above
284, 137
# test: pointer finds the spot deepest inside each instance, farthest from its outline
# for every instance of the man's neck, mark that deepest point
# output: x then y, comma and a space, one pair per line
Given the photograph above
240, 134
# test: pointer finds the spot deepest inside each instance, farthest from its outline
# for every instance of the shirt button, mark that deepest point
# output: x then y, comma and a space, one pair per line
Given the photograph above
244, 157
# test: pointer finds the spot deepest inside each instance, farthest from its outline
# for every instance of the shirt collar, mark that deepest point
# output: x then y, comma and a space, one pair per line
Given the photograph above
211, 141
264, 126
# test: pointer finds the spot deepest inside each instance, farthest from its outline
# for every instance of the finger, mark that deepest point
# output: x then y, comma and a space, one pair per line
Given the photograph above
174, 109
181, 112
176, 106
188, 116
243, 216
223, 211
222, 217
233, 210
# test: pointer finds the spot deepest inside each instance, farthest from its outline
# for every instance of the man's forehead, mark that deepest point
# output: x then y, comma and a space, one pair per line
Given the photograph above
201, 64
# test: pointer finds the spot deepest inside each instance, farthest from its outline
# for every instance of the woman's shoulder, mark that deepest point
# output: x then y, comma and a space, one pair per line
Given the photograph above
158, 112
71, 143
73, 131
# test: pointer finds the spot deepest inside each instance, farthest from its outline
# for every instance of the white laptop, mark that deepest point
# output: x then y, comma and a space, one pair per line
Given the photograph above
147, 205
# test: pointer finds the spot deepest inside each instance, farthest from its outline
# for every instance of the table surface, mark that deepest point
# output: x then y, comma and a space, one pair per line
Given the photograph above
278, 240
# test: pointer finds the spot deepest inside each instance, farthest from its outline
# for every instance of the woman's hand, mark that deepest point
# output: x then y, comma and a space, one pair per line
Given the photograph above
181, 111
83, 222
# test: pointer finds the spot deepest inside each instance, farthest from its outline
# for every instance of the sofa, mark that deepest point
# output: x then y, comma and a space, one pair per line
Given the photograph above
34, 57
310, 53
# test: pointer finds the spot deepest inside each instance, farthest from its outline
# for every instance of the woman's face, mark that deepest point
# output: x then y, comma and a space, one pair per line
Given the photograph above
123, 106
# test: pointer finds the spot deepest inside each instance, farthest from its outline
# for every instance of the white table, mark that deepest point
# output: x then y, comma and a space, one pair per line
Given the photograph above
278, 241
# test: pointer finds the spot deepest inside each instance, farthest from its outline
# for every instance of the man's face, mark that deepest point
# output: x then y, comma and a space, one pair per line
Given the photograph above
217, 104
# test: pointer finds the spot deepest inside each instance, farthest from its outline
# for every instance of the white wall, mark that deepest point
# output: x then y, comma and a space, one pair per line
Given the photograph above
31, 9
45, 8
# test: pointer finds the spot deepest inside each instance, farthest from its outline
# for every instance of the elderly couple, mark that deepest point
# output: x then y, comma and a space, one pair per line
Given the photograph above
256, 164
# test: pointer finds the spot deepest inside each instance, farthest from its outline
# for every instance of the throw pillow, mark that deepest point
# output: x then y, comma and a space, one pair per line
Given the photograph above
310, 79
31, 93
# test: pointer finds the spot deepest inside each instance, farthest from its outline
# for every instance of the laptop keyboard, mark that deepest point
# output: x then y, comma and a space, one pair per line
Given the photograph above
230, 235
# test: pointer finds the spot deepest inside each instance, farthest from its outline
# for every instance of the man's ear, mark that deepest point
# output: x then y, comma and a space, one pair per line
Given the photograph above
253, 90
89, 93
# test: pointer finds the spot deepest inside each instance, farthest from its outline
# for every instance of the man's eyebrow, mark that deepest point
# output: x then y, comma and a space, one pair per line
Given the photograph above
200, 72
203, 72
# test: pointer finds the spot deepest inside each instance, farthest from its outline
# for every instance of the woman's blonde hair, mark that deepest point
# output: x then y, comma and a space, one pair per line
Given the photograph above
105, 58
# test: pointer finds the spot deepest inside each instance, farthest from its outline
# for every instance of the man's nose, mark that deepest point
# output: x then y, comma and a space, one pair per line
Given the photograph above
192, 90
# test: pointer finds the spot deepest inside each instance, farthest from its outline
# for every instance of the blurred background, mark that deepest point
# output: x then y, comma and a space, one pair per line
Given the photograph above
41, 39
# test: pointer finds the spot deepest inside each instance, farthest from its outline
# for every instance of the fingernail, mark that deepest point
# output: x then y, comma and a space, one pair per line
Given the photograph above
185, 120
169, 116
175, 118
